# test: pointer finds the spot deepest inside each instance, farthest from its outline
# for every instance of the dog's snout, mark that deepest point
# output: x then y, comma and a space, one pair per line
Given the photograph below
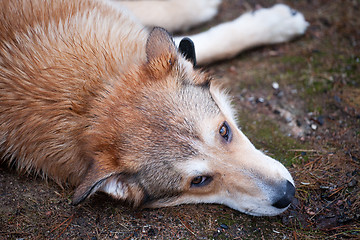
285, 195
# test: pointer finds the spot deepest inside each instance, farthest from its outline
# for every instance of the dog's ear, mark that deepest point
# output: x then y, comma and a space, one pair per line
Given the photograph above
94, 179
121, 186
161, 51
187, 49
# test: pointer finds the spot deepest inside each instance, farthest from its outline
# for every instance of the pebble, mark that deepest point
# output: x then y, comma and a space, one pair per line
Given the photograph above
352, 183
232, 69
298, 123
260, 100
279, 94
313, 126
337, 99
320, 120
275, 85
288, 118
224, 226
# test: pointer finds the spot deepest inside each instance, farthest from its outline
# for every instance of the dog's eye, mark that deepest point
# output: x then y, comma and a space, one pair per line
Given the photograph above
200, 181
225, 131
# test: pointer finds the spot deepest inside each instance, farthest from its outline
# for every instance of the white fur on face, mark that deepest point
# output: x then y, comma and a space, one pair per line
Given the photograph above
224, 103
244, 178
195, 168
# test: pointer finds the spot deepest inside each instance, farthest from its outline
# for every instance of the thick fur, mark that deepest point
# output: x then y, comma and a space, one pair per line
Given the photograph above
91, 98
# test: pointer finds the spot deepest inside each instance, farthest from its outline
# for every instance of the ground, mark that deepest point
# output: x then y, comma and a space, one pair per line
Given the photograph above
299, 102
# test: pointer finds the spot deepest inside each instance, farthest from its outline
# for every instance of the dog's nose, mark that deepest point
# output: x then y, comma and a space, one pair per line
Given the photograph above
285, 194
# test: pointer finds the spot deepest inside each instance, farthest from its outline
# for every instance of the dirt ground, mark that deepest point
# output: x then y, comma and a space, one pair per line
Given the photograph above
299, 102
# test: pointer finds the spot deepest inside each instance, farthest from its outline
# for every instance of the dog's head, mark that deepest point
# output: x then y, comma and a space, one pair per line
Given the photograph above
165, 135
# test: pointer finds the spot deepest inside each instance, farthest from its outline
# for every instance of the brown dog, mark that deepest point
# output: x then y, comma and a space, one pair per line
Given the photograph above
90, 97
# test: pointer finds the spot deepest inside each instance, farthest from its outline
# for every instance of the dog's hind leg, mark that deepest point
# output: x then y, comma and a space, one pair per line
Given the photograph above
173, 15
265, 26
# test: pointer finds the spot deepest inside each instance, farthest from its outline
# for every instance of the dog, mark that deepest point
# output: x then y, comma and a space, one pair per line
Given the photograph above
91, 98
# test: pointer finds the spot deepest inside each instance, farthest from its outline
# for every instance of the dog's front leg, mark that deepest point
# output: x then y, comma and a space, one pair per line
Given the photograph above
265, 26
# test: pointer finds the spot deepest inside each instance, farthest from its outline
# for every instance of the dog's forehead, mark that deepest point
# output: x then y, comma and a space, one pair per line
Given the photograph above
198, 99
170, 122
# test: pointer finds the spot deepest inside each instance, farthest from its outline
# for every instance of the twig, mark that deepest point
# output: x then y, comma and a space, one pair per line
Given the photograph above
337, 190
130, 236
186, 226
342, 227
303, 150
312, 162
311, 218
62, 223
71, 218
295, 235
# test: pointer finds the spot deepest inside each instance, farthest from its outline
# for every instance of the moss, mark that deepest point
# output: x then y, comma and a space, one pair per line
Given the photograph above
227, 219
266, 135
290, 59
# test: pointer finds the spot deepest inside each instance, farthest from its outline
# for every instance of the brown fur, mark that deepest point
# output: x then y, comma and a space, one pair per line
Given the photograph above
68, 103
50, 76
91, 98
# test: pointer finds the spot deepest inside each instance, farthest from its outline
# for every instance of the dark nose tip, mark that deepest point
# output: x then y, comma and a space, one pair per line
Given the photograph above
285, 195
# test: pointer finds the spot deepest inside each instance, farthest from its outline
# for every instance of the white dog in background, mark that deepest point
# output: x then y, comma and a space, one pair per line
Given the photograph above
265, 26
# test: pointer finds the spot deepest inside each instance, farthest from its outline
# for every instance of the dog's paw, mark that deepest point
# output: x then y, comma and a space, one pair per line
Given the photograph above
206, 9
201, 11
280, 23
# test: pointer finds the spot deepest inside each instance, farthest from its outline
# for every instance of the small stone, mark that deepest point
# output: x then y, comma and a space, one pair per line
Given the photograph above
224, 226
298, 123
280, 94
294, 91
288, 116
352, 183
313, 126
232, 69
275, 85
320, 120
288, 119
276, 111
337, 99
260, 100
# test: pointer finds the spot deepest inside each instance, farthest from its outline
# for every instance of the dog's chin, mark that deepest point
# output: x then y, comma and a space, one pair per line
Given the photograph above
265, 212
